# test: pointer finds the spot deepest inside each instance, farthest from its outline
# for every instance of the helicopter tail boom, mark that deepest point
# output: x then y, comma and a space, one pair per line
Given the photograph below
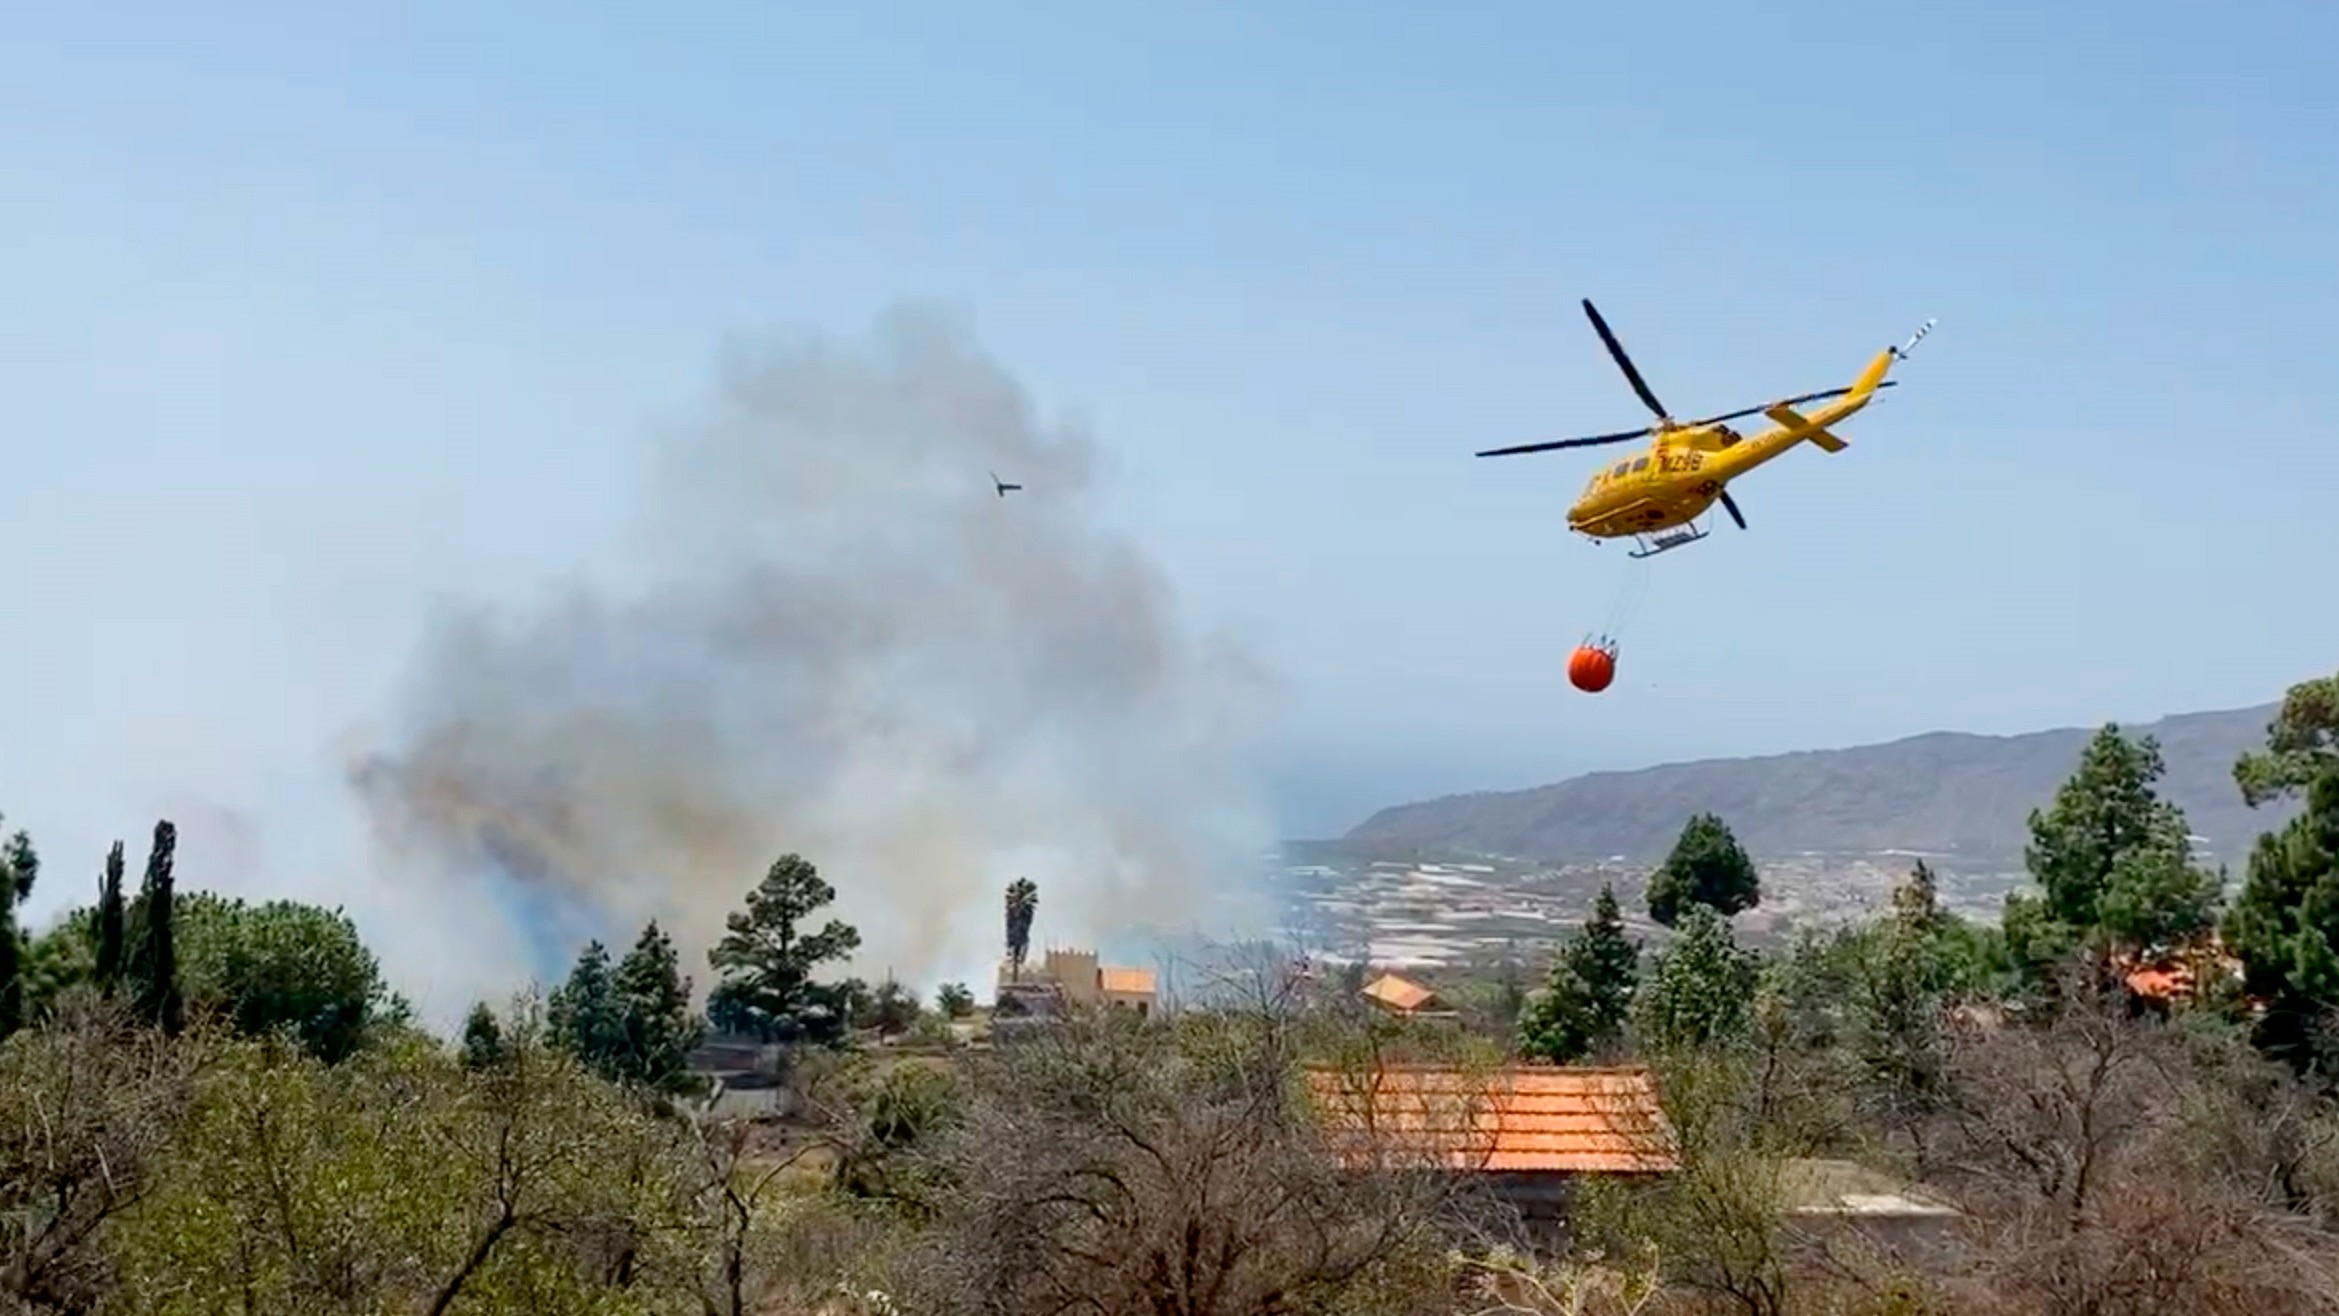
1863, 391
1796, 426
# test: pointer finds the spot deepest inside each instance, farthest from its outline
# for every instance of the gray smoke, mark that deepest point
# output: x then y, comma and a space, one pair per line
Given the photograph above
844, 644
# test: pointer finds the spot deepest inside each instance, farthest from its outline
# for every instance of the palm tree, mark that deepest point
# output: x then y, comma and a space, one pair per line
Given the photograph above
1023, 901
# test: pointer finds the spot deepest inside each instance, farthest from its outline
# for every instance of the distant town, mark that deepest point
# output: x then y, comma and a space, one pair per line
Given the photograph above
1458, 912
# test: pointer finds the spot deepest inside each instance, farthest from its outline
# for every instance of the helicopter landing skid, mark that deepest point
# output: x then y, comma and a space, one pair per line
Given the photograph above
1652, 545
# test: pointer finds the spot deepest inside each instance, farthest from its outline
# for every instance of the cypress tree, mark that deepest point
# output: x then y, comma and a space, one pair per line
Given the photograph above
110, 924
158, 962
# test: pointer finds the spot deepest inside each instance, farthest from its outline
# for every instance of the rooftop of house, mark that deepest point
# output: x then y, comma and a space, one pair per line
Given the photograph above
1400, 993
1519, 1119
1133, 982
2177, 973
1847, 1188
1049, 974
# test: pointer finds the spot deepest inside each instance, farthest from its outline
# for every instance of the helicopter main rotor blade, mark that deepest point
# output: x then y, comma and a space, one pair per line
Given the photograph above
1730, 505
1593, 441
1784, 402
1616, 349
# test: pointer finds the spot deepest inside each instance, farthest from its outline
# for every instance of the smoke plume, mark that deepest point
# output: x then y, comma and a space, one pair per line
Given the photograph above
843, 643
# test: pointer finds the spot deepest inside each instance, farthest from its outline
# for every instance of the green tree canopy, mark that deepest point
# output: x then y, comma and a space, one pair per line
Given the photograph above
1707, 867
19, 865
22, 864
2285, 928
2113, 860
583, 1015
954, 1000
483, 1045
276, 965
767, 960
658, 1027
2302, 743
281, 964
1584, 1006
1701, 990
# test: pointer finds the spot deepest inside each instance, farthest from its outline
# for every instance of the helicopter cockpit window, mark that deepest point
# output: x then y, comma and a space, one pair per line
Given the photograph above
1640, 464
1621, 468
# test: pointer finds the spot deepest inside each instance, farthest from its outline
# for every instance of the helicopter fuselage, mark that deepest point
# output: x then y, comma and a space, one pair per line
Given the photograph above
1672, 483
1684, 469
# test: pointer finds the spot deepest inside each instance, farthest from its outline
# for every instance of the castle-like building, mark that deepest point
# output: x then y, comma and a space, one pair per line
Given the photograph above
1077, 976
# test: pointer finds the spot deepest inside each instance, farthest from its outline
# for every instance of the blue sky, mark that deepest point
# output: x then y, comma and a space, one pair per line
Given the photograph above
312, 318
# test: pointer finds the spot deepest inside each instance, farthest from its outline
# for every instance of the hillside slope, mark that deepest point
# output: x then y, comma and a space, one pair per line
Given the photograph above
1945, 792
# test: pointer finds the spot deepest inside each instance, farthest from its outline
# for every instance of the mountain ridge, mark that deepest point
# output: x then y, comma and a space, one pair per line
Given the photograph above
1965, 796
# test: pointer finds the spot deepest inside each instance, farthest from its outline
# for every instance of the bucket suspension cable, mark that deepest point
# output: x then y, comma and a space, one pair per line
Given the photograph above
1630, 594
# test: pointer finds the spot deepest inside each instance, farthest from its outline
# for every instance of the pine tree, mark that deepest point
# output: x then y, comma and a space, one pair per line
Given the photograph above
583, 1014
1702, 988
2285, 928
1916, 903
2113, 861
2302, 743
155, 968
2104, 810
767, 961
110, 924
1584, 1007
483, 1039
2285, 924
1707, 867
658, 1026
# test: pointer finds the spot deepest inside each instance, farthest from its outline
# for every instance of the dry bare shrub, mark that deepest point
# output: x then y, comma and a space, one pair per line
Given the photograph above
1502, 1281
2252, 1126
2089, 1191
772, 1237
1173, 1168
87, 1104
1718, 1219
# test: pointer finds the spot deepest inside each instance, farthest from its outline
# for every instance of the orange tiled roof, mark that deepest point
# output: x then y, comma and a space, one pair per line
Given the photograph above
2176, 974
1399, 993
1135, 982
1567, 1119
2160, 984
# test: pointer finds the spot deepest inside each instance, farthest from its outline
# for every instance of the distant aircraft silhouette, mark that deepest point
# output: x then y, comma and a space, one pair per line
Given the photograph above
1003, 487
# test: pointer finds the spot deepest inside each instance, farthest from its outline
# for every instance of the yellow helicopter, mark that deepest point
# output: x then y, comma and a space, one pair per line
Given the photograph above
1657, 498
